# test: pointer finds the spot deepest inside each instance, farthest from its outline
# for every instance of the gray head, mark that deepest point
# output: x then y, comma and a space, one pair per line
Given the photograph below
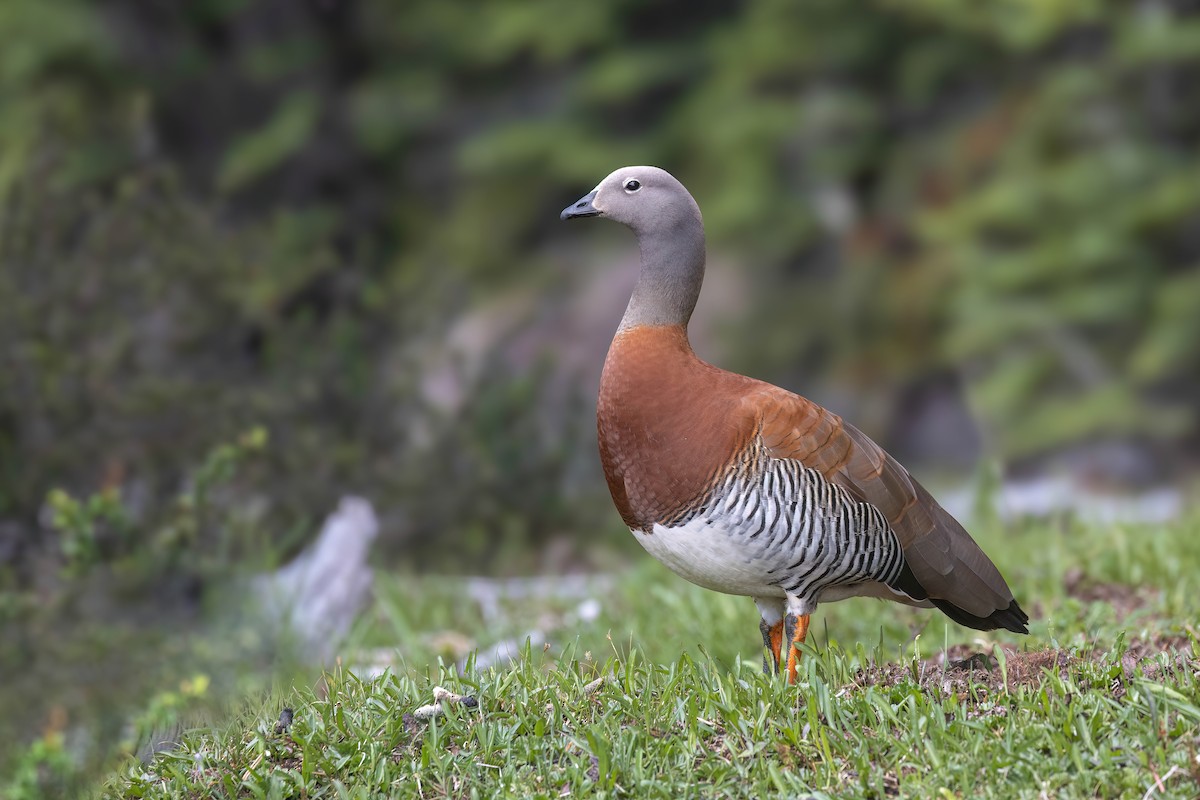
647, 199
670, 234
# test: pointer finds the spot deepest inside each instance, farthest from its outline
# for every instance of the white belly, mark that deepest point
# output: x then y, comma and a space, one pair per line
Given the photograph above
708, 556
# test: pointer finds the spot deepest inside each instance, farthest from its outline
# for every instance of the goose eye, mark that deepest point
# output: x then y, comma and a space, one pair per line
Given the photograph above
632, 185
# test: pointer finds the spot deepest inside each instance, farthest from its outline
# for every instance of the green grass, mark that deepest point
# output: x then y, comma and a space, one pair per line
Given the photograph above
1101, 700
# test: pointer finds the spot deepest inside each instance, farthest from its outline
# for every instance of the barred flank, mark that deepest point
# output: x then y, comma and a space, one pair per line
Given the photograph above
787, 514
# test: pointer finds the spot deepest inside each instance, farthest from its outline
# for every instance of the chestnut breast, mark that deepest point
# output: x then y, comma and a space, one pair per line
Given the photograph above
667, 425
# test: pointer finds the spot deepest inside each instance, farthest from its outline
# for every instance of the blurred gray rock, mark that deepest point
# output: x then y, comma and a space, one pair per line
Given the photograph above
317, 596
1051, 495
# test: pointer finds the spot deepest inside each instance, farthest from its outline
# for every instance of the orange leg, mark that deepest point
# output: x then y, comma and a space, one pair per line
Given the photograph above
795, 629
772, 645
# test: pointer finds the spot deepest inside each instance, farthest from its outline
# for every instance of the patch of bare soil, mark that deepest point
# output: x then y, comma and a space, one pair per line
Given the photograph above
970, 674
1124, 600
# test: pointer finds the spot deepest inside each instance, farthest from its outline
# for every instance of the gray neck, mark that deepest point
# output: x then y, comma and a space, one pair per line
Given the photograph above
672, 272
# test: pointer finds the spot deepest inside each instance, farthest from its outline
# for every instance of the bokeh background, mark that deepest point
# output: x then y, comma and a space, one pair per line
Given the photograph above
255, 256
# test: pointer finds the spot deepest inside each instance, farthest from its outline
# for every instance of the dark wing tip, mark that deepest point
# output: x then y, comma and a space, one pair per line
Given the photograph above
1011, 618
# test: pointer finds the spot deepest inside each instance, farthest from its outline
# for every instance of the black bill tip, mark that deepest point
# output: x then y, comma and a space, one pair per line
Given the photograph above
581, 208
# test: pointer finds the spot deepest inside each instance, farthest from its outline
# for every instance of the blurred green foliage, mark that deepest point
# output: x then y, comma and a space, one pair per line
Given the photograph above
118, 654
192, 535
43, 769
227, 213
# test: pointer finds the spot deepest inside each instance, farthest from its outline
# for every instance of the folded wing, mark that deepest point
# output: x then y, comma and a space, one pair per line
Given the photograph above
944, 564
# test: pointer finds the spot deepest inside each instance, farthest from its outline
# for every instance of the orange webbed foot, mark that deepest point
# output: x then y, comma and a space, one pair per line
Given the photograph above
772, 645
795, 629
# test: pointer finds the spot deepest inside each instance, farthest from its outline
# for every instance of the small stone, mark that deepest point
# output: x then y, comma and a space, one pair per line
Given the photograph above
429, 712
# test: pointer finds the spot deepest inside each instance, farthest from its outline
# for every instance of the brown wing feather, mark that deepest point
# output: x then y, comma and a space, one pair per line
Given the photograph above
943, 557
